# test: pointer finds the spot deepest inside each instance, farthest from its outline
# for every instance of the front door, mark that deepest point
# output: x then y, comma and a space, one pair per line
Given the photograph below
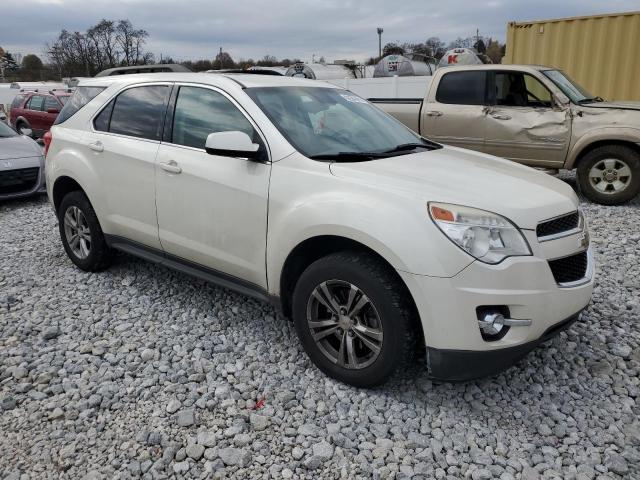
456, 117
523, 123
212, 210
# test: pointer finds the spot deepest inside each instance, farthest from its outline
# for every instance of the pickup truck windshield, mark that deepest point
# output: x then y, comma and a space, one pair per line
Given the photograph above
331, 124
571, 89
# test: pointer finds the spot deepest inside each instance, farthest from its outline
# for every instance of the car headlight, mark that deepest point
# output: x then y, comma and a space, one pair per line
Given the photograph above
484, 235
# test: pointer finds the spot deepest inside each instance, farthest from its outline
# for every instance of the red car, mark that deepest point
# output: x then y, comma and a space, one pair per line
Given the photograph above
36, 111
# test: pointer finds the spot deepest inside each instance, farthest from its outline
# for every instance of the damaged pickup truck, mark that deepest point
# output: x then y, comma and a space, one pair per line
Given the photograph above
533, 115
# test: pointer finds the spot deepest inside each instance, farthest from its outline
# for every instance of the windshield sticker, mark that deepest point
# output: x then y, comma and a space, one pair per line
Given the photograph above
353, 98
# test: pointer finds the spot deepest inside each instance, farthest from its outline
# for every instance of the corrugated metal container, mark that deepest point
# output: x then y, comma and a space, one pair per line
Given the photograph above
600, 52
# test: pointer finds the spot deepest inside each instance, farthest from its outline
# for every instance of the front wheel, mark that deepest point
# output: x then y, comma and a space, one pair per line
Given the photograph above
23, 128
81, 233
354, 319
610, 174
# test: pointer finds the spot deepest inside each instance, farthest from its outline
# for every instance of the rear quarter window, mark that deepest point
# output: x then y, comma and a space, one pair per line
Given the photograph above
79, 99
462, 88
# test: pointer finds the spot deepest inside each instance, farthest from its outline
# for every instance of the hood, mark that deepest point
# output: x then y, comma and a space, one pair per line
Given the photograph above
623, 105
454, 175
18, 147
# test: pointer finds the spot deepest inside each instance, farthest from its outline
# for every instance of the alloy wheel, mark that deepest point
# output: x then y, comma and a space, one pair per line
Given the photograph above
610, 176
77, 232
344, 324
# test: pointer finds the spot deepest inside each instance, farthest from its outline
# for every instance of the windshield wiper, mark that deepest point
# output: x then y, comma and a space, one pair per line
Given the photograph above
410, 146
348, 156
591, 100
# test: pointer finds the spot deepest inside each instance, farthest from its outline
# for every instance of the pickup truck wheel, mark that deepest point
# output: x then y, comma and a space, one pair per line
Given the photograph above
610, 174
353, 318
81, 234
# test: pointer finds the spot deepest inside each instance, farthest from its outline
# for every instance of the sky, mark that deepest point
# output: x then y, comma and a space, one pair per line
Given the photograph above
335, 29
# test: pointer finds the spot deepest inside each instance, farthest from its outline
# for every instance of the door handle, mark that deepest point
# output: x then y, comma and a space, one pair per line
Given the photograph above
433, 113
171, 166
96, 146
500, 116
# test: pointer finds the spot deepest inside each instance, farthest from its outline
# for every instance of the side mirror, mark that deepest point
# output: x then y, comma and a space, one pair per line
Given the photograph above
27, 132
232, 144
53, 110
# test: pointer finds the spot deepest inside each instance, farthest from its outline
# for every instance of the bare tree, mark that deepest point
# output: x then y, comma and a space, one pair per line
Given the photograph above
104, 45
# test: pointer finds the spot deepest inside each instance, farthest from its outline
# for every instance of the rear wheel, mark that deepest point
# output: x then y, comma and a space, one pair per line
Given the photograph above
81, 234
610, 174
354, 319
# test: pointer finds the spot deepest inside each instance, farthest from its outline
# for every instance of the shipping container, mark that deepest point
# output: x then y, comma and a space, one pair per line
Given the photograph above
600, 52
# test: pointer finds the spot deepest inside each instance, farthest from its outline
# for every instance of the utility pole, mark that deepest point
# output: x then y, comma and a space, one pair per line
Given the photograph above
220, 57
380, 30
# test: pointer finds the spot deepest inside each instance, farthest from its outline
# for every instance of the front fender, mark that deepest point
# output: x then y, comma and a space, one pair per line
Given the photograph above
606, 134
305, 204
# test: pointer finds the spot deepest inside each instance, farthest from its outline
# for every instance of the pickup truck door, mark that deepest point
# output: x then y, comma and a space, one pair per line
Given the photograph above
212, 210
523, 122
454, 114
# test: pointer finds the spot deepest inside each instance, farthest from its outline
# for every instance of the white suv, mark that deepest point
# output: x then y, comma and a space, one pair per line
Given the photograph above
377, 242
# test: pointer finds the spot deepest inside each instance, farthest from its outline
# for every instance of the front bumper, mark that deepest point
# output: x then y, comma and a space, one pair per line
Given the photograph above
461, 365
39, 186
524, 285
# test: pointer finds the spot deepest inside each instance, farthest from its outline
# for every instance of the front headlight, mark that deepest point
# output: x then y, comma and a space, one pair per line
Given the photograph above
485, 236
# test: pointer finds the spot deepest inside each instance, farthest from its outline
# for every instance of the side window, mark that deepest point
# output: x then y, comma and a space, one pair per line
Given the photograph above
101, 122
36, 103
516, 89
139, 111
50, 102
200, 111
17, 101
462, 88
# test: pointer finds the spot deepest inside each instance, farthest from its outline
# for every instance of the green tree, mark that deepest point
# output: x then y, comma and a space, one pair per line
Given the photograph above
494, 51
32, 68
392, 49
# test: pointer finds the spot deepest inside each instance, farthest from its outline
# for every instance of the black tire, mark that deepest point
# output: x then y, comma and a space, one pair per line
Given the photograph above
20, 124
389, 300
99, 256
622, 155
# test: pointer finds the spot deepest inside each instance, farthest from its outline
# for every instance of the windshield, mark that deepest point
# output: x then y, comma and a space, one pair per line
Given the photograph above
6, 131
571, 89
63, 98
327, 123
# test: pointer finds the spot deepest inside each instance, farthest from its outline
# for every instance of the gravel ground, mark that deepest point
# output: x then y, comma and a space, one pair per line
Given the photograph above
143, 371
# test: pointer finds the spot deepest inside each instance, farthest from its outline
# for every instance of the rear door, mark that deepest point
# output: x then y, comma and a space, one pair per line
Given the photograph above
50, 103
122, 145
456, 115
523, 123
34, 114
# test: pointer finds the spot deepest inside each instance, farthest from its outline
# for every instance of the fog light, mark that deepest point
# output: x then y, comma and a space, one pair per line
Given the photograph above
492, 323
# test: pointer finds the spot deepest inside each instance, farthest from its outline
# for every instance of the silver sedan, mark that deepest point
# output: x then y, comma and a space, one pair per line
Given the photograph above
21, 165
